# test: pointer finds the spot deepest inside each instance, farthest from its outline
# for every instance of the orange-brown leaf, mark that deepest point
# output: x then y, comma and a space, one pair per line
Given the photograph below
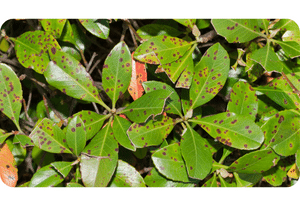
8, 166
139, 75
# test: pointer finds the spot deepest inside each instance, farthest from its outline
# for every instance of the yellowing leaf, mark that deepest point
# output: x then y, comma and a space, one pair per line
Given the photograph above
8, 167
293, 172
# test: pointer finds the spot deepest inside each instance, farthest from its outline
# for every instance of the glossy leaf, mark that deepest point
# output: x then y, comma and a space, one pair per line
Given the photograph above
3, 136
74, 185
66, 74
275, 176
197, 157
291, 48
246, 180
151, 133
233, 130
8, 166
172, 103
117, 72
210, 75
10, 94
263, 24
63, 167
167, 160
150, 104
151, 30
120, 126
127, 176
237, 30
212, 182
97, 27
224, 183
294, 172
243, 100
161, 50
254, 162
49, 137
138, 76
53, 26
92, 122
76, 135
31, 49
155, 179
99, 159
282, 133
187, 22
291, 36
286, 24
24, 140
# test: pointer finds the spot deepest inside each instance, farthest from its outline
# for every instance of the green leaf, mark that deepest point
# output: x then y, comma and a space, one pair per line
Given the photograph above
172, 103
267, 58
186, 78
187, 22
212, 182
151, 30
225, 183
10, 94
24, 140
254, 162
46, 177
99, 159
291, 36
243, 100
233, 130
49, 137
53, 26
263, 24
151, 133
74, 185
63, 167
210, 75
237, 30
298, 158
155, 179
117, 72
282, 133
4, 45
150, 104
120, 126
197, 157
202, 23
286, 24
3, 136
275, 176
246, 180
92, 122
66, 74
291, 48
161, 50
31, 49
127, 176
97, 27
76, 135
168, 160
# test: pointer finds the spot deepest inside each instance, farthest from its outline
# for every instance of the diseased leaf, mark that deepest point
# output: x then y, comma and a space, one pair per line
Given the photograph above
167, 160
298, 158
53, 26
263, 24
197, 157
254, 162
186, 78
212, 182
3, 136
49, 137
275, 176
286, 24
294, 172
243, 100
139, 75
127, 176
291, 48
224, 183
233, 130
187, 22
97, 27
24, 140
117, 72
161, 50
246, 180
76, 135
237, 30
151, 30
63, 167
150, 104
291, 36
8, 166
74, 185
210, 75
10, 94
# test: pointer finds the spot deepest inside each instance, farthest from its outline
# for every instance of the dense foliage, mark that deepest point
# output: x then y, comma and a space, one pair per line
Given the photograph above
156, 103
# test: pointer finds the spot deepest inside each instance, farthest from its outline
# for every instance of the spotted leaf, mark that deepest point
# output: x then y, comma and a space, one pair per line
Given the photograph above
138, 76
246, 180
24, 140
53, 26
31, 49
243, 100
282, 133
120, 126
254, 162
187, 22
151, 30
97, 27
10, 94
76, 135
197, 156
117, 72
49, 137
186, 78
286, 24
291, 48
167, 160
173, 102
294, 172
127, 176
62, 167
66, 74
155, 179
210, 75
233, 130
275, 176
3, 136
150, 104
8, 166
161, 50
237, 30
151, 133
298, 158
101, 153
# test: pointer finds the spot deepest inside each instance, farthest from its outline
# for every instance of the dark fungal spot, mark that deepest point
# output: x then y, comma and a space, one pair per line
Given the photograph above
281, 118
73, 129
53, 50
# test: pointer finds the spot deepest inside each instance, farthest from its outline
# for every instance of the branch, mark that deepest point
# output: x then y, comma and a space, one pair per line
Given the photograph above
207, 36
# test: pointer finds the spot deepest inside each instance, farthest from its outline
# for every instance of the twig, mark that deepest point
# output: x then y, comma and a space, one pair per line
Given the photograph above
25, 110
91, 61
133, 30
96, 108
207, 36
41, 161
125, 27
94, 66
46, 106
83, 58
28, 161
133, 38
